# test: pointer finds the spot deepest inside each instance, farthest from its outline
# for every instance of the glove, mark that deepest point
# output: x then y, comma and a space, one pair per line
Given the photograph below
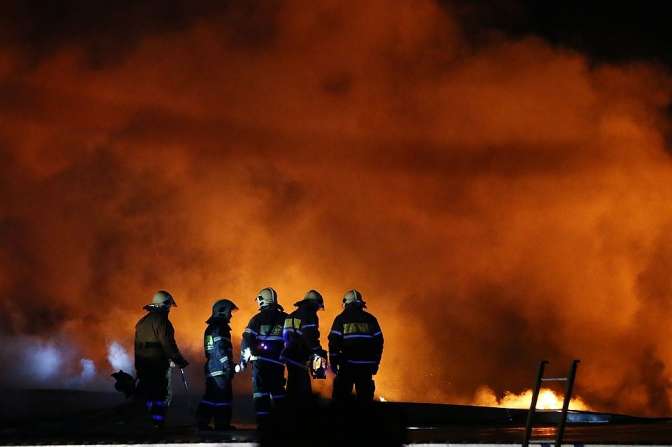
245, 357
319, 367
239, 367
333, 364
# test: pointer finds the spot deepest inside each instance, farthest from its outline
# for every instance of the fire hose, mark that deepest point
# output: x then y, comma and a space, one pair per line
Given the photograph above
317, 367
247, 358
184, 380
186, 389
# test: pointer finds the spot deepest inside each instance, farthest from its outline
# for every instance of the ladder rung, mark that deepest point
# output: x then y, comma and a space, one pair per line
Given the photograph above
554, 379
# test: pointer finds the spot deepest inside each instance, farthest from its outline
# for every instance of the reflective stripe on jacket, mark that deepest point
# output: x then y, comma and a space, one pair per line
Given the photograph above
263, 335
302, 336
356, 337
155, 340
218, 348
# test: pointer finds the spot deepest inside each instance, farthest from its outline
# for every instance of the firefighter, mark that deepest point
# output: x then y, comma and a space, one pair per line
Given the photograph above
262, 345
219, 369
155, 353
355, 349
303, 353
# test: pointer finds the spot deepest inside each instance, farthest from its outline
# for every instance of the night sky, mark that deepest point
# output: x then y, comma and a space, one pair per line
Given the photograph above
607, 32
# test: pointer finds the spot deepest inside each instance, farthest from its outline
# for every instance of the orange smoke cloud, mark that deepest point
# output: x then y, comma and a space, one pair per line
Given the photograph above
496, 203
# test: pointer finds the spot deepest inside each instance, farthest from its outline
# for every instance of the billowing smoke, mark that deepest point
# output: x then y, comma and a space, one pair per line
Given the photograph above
31, 361
88, 370
42, 362
87, 377
118, 358
498, 201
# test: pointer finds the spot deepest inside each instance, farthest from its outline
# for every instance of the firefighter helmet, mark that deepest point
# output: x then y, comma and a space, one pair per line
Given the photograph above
223, 308
267, 297
163, 298
353, 296
312, 296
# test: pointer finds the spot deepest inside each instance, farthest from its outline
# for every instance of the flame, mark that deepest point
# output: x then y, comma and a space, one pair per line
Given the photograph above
548, 400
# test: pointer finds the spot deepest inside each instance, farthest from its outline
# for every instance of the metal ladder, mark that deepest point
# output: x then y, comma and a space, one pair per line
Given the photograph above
569, 387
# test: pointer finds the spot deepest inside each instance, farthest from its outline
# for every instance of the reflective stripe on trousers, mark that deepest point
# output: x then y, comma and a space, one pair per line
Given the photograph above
215, 404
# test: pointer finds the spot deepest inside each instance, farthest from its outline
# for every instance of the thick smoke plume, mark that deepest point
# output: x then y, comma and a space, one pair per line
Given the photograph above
36, 362
497, 203
119, 359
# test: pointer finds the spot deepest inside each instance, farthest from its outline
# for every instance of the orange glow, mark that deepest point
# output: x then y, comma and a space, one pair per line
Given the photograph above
497, 201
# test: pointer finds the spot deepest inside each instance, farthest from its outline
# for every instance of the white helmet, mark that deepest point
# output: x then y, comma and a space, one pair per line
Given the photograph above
313, 296
353, 296
163, 298
267, 297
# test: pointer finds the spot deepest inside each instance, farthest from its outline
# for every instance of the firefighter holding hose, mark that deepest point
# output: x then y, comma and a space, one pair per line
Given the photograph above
261, 346
303, 353
155, 352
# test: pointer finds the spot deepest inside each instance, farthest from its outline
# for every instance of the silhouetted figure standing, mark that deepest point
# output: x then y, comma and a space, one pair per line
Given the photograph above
155, 350
262, 345
302, 346
219, 369
355, 349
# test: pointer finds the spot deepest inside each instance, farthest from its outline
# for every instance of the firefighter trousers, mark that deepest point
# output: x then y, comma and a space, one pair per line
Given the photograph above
268, 387
299, 386
215, 406
353, 376
154, 387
